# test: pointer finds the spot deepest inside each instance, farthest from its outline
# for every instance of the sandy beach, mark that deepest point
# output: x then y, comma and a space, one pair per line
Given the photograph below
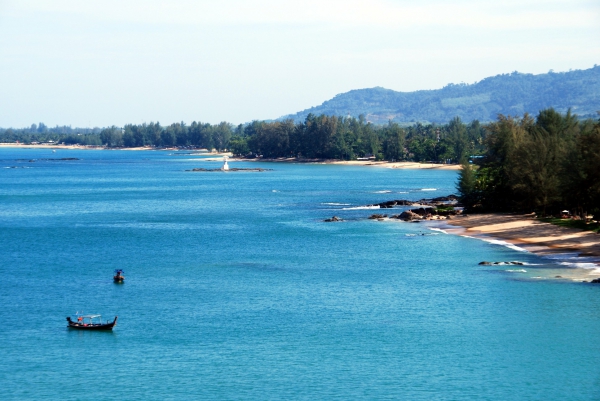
535, 236
370, 163
44, 146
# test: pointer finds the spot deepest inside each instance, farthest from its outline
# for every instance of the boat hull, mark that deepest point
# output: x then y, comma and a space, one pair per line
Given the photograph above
93, 327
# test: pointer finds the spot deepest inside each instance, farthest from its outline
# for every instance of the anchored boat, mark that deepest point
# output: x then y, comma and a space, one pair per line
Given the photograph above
118, 277
91, 322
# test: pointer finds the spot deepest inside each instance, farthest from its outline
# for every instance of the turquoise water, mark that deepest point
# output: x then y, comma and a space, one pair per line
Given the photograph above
236, 289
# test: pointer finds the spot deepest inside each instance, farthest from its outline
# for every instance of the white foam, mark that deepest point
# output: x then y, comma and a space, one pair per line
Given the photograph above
361, 207
581, 265
428, 189
516, 270
335, 204
438, 229
274, 190
506, 244
382, 192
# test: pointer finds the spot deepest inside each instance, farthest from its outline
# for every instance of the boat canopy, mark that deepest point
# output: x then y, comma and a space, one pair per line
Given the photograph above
88, 316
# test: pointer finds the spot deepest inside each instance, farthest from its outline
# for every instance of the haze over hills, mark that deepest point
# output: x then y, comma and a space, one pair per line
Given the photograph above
509, 94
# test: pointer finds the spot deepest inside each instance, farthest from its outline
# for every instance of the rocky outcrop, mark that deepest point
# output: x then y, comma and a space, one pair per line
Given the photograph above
484, 263
377, 216
334, 218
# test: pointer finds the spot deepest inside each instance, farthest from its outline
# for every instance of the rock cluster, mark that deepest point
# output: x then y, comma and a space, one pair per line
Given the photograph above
501, 263
334, 218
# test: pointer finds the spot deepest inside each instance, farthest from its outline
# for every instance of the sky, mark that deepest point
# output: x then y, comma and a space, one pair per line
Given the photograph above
114, 62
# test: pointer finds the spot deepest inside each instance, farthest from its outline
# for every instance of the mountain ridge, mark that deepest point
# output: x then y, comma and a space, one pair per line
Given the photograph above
509, 94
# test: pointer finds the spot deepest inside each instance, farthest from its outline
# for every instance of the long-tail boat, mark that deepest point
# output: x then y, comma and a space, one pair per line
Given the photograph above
91, 322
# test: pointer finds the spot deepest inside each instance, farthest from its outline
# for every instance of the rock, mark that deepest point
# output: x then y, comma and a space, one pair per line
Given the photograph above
375, 216
334, 218
485, 263
557, 276
516, 263
595, 281
408, 216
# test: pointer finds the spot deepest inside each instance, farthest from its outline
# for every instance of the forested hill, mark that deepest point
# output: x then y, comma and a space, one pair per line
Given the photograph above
508, 94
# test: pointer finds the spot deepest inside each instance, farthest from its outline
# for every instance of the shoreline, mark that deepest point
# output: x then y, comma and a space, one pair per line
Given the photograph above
370, 163
404, 165
525, 232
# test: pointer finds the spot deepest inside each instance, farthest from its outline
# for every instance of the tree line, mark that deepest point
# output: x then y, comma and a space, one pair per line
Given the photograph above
543, 164
348, 138
317, 137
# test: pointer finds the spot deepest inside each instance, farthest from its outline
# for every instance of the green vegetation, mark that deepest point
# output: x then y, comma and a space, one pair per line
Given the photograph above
507, 94
317, 137
541, 165
579, 224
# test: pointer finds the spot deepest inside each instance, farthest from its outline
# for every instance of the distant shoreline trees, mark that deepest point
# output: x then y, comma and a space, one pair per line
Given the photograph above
317, 137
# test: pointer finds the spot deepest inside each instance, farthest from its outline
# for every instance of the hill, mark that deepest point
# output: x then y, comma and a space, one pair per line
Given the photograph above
508, 94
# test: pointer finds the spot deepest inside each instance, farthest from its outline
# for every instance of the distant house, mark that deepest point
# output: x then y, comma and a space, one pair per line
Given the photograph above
368, 156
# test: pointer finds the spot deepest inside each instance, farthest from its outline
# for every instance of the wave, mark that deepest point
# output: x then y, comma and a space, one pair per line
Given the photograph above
516, 270
573, 260
335, 204
439, 229
506, 244
385, 191
581, 265
428, 189
361, 207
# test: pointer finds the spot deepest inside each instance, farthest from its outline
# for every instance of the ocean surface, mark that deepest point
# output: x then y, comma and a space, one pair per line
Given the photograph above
236, 288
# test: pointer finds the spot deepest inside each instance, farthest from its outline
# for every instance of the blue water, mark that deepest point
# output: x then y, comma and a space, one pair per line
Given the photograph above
236, 289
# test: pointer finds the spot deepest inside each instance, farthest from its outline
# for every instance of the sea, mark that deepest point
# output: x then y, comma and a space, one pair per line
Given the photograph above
236, 288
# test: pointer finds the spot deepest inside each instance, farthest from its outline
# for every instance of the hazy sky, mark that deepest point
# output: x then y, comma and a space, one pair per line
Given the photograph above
98, 63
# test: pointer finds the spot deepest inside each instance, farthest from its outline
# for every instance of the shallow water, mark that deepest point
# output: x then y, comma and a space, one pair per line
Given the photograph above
236, 289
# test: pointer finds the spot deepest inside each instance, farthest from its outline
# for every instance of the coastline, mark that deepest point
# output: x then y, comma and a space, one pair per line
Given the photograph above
525, 232
369, 163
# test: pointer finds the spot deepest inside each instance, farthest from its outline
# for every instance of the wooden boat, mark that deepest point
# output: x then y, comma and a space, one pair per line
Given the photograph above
118, 277
91, 322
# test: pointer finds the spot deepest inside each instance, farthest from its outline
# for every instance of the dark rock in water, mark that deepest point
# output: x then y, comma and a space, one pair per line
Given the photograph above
557, 276
485, 263
448, 198
392, 203
409, 216
334, 218
595, 281
375, 216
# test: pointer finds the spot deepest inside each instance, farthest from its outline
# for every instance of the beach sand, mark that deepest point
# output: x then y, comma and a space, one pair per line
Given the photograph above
370, 163
535, 236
